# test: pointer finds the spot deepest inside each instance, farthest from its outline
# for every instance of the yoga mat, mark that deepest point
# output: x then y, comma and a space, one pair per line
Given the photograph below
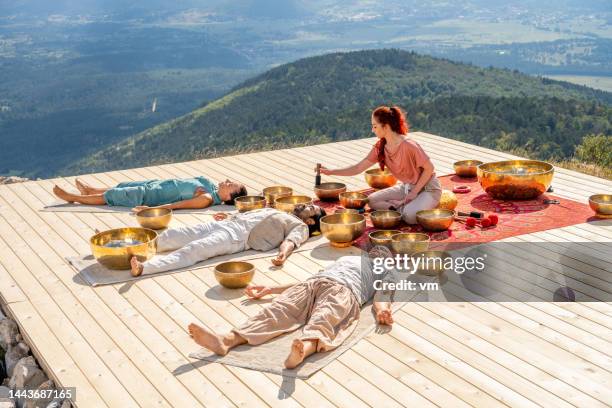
62, 206
515, 217
270, 356
96, 274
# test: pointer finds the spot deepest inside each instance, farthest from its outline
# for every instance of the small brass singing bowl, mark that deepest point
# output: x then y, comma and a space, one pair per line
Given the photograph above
432, 263
382, 237
154, 218
515, 179
248, 203
234, 275
602, 205
353, 200
274, 192
116, 247
467, 168
288, 203
377, 178
329, 191
435, 220
386, 219
342, 229
409, 242
346, 211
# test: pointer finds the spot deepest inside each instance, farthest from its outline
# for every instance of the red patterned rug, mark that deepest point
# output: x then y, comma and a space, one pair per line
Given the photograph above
515, 217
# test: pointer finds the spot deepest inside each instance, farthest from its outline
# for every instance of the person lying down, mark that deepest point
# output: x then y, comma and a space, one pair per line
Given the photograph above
326, 307
262, 230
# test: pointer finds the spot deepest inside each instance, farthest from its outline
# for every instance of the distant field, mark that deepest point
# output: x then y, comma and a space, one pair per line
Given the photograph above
603, 83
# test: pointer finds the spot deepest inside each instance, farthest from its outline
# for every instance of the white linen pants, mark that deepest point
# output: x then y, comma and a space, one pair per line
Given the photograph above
427, 199
193, 244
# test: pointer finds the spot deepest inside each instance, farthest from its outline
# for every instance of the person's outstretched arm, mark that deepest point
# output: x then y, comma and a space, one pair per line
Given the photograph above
202, 201
284, 250
259, 291
349, 171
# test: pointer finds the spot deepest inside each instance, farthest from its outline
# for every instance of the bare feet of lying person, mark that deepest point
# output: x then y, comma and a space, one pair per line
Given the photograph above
82, 187
63, 194
300, 349
136, 267
208, 339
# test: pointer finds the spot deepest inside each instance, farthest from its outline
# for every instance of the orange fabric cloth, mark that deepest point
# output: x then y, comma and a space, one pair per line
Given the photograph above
405, 162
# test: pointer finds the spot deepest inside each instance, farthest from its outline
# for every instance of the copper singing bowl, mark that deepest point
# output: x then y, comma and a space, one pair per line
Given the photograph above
601, 204
432, 262
234, 275
382, 237
288, 203
386, 219
248, 203
435, 220
329, 191
377, 178
467, 168
274, 192
114, 248
342, 229
353, 200
154, 218
515, 179
409, 242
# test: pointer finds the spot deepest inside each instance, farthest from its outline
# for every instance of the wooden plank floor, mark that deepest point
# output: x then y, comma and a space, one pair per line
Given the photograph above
127, 345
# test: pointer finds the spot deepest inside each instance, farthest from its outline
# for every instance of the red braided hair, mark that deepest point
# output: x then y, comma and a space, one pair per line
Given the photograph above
395, 118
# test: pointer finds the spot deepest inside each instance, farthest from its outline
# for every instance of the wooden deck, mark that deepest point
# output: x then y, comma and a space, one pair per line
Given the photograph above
126, 345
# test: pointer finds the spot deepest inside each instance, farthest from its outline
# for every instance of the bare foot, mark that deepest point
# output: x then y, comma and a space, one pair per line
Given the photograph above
83, 188
207, 339
136, 267
63, 194
297, 354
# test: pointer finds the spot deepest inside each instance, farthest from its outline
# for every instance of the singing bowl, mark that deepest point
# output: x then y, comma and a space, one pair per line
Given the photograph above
138, 242
234, 275
432, 262
342, 229
274, 192
347, 211
409, 242
601, 204
248, 203
448, 200
154, 218
515, 179
353, 200
435, 220
377, 178
467, 168
385, 219
288, 203
329, 191
382, 237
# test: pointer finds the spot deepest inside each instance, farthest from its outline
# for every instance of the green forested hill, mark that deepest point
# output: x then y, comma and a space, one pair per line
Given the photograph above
330, 97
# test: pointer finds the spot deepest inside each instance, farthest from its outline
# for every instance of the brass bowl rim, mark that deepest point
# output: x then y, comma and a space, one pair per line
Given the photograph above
378, 172
361, 196
283, 200
468, 163
91, 239
593, 198
140, 213
449, 213
384, 232
422, 234
482, 167
279, 187
327, 186
346, 211
244, 198
393, 213
251, 268
361, 218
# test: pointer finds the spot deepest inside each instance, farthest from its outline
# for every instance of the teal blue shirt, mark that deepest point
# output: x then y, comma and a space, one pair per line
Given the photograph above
159, 192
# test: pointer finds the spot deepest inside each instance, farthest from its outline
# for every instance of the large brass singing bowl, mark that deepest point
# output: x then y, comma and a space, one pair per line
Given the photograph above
347, 211
515, 179
234, 275
382, 237
274, 192
385, 219
114, 248
435, 220
409, 242
601, 204
329, 191
248, 203
288, 203
432, 263
377, 178
342, 229
353, 199
154, 218
467, 168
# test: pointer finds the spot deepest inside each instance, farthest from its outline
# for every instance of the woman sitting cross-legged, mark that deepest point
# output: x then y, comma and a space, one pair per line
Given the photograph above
326, 306
196, 192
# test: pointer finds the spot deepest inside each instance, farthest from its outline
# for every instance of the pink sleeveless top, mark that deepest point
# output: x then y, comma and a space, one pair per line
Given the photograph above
407, 161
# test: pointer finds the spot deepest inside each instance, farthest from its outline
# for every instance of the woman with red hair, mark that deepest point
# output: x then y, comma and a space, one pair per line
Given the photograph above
406, 160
